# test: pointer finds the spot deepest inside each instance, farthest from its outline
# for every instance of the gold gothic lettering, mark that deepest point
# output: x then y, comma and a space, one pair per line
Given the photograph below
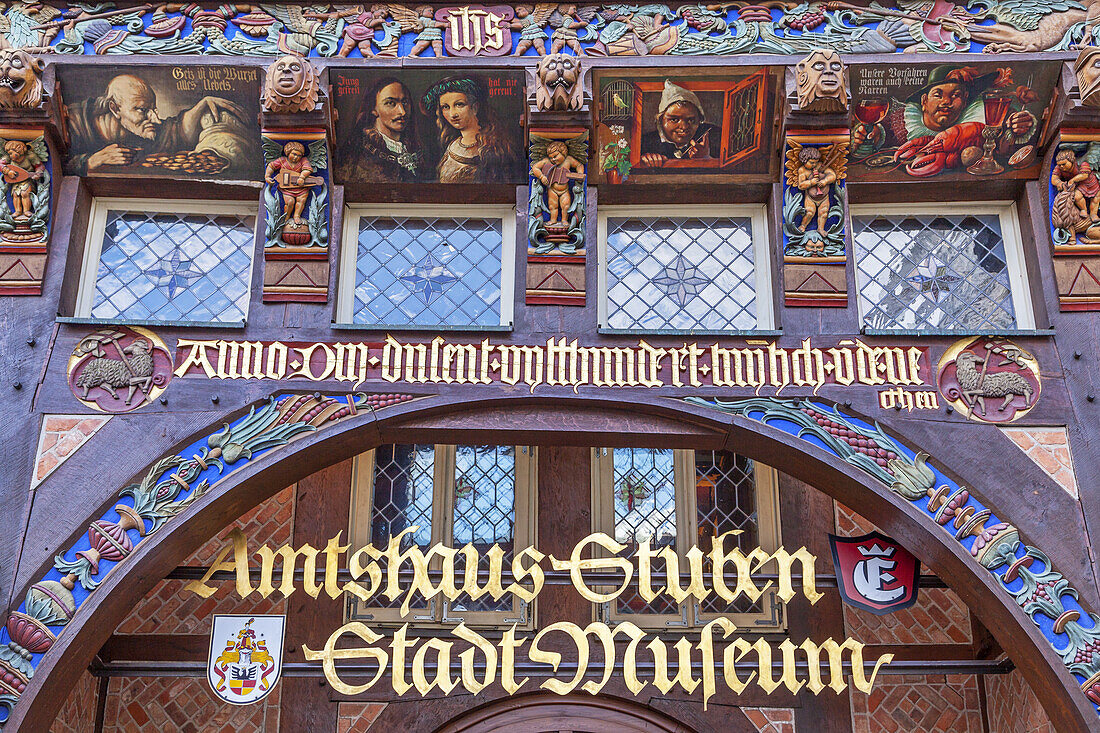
565, 363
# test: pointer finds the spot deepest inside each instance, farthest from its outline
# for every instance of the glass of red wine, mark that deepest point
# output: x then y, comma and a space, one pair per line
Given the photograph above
996, 110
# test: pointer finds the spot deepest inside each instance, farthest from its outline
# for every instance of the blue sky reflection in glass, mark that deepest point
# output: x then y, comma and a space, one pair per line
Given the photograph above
680, 273
174, 267
428, 271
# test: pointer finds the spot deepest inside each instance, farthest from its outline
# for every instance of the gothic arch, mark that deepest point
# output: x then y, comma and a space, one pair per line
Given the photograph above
548, 713
770, 434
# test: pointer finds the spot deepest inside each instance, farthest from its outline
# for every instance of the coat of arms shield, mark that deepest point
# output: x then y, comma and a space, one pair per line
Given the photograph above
246, 657
875, 573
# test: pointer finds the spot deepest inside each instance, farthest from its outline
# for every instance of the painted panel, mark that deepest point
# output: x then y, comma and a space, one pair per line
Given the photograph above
432, 126
168, 121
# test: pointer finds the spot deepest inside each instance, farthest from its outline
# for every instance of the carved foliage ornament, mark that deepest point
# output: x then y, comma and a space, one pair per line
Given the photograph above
559, 84
821, 83
290, 86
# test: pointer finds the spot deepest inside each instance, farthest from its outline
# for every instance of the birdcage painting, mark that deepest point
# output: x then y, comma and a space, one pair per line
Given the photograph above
617, 102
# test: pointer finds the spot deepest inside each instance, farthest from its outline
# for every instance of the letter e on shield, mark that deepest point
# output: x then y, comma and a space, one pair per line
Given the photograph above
246, 657
875, 573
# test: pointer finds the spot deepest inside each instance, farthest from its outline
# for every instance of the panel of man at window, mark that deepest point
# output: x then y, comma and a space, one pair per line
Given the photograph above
682, 132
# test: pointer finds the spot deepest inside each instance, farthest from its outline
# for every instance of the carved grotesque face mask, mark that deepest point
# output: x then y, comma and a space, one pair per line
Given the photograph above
290, 77
20, 82
1088, 76
290, 86
820, 79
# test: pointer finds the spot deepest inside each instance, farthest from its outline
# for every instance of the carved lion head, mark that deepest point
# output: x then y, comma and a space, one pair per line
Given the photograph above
20, 83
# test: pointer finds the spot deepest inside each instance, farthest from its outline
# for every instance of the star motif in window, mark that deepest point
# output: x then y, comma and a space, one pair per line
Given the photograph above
932, 278
680, 281
176, 273
429, 278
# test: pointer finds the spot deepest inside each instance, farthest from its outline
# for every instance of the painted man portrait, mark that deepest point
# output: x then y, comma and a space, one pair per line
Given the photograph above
123, 125
682, 132
384, 145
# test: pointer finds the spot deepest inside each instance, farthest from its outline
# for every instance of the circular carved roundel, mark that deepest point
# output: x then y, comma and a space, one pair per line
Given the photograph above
119, 369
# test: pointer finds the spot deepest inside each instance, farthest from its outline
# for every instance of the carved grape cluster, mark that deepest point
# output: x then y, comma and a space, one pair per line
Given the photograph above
805, 21
378, 401
1086, 653
859, 443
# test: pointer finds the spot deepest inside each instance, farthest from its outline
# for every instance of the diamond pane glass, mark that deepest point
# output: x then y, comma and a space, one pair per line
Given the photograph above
174, 267
428, 271
725, 501
644, 483
680, 273
485, 511
404, 476
944, 272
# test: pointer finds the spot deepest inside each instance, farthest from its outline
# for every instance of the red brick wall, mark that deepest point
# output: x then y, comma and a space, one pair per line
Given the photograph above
1012, 707
924, 703
169, 609
77, 715
183, 704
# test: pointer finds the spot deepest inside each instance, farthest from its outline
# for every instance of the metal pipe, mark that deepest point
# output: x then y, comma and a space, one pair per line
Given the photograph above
552, 577
566, 668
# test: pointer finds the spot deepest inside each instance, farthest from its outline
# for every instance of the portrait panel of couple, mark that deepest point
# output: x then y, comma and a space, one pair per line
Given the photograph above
429, 126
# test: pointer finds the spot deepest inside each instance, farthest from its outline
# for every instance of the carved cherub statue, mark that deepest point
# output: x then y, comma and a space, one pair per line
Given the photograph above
814, 179
295, 171
555, 171
21, 165
1087, 68
290, 85
821, 84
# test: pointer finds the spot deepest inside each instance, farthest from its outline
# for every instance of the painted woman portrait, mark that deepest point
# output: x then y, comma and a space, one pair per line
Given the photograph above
475, 146
384, 145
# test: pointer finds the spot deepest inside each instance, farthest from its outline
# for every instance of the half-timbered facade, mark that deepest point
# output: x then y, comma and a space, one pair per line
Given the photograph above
550, 367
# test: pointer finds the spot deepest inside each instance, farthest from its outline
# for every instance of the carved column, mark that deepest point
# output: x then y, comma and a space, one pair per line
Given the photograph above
26, 173
558, 150
297, 184
815, 202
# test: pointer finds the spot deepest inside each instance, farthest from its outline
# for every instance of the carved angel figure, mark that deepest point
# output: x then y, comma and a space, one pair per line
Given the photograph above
290, 172
421, 20
812, 175
556, 207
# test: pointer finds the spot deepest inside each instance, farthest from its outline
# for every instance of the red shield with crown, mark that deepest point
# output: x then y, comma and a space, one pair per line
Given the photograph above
875, 573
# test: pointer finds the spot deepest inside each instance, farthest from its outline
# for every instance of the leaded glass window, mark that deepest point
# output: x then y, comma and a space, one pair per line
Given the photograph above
454, 495
677, 499
696, 271
928, 269
422, 269
192, 265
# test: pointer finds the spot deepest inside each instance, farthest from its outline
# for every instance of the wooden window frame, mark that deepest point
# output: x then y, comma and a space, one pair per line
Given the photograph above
768, 532
439, 612
97, 228
1011, 237
349, 254
761, 252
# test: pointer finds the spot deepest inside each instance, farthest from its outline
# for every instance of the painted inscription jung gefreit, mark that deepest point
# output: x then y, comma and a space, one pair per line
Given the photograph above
951, 121
175, 121
662, 126
429, 126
